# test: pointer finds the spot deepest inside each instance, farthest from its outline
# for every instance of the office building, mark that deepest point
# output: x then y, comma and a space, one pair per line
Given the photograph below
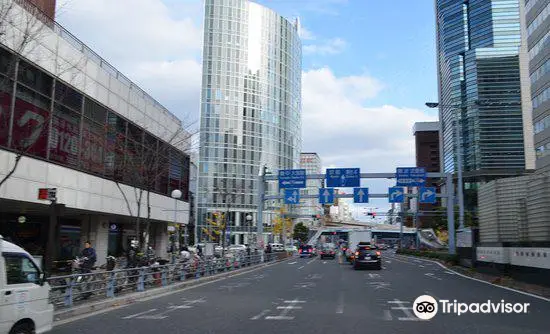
310, 210
78, 125
250, 111
537, 18
484, 104
426, 137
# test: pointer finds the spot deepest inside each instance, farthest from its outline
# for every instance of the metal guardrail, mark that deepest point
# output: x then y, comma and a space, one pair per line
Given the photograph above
79, 288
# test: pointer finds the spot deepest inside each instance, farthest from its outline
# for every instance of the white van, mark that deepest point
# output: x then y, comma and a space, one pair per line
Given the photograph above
24, 293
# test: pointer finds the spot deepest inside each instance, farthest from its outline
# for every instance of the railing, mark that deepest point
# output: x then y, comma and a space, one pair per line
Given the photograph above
80, 46
79, 288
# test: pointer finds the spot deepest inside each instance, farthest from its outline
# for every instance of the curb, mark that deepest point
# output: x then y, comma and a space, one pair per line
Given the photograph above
74, 313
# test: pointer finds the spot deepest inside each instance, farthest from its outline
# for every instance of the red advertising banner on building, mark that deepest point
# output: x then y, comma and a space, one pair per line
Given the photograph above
93, 148
30, 128
64, 140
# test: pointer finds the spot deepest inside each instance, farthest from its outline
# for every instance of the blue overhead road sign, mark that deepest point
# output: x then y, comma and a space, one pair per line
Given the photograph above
360, 195
411, 176
292, 196
427, 195
396, 195
292, 178
343, 177
326, 195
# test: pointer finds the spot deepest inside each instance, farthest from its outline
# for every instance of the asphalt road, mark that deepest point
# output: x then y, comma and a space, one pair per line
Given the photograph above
322, 296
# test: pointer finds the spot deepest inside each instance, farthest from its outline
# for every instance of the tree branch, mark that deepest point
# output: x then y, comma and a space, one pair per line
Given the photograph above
10, 173
125, 199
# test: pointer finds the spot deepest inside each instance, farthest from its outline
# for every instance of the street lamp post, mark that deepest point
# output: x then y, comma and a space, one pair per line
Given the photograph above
176, 194
460, 190
248, 226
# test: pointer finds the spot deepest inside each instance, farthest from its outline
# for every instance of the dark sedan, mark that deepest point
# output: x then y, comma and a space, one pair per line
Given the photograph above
367, 256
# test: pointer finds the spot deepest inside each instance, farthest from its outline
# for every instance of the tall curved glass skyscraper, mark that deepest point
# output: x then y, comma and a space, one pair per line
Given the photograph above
250, 109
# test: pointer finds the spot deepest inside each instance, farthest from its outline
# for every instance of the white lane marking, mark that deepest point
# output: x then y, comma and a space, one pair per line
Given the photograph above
383, 267
405, 310
324, 262
180, 306
141, 313
261, 314
398, 302
290, 307
380, 285
314, 276
421, 266
295, 301
304, 285
278, 317
388, 261
409, 319
340, 305
401, 308
311, 261
293, 262
489, 283
432, 276
387, 315
300, 267
417, 261
284, 312
153, 317
371, 275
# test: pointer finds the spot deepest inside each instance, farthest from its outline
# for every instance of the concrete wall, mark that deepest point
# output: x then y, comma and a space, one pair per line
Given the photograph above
515, 209
502, 209
80, 190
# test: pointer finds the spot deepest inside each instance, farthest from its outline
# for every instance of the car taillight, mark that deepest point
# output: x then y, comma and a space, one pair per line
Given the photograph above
378, 253
356, 253
299, 251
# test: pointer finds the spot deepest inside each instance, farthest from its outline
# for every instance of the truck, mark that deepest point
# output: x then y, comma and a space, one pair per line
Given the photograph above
354, 238
24, 292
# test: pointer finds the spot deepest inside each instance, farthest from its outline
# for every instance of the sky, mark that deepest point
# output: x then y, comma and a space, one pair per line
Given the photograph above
368, 68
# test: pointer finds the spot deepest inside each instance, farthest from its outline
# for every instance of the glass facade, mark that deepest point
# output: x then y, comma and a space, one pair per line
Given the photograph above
51, 120
251, 105
480, 87
312, 164
538, 40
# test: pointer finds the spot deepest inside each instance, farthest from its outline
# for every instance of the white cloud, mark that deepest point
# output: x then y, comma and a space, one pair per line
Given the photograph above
327, 47
305, 34
337, 125
155, 45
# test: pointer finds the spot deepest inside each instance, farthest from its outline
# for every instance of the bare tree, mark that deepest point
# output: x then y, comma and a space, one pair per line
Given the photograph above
22, 27
145, 166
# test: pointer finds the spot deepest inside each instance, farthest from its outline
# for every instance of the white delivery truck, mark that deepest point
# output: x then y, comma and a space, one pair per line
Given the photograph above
24, 293
354, 238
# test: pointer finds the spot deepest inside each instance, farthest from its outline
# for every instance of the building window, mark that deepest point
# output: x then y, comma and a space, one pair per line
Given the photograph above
63, 145
30, 124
